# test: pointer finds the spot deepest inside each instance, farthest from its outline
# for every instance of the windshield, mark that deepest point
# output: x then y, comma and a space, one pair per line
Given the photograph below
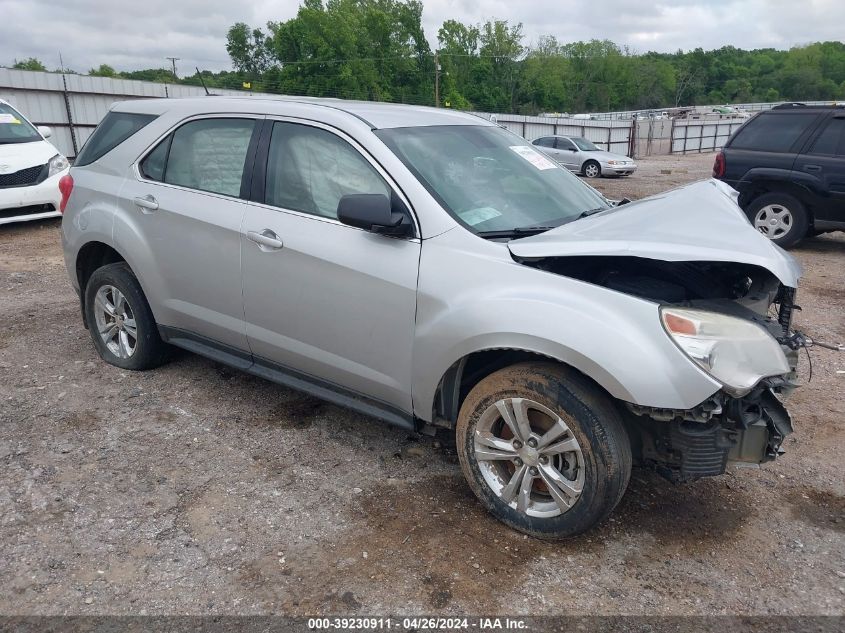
490, 179
584, 145
14, 128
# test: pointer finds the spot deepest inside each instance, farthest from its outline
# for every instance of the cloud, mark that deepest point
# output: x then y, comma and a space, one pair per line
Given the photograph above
137, 35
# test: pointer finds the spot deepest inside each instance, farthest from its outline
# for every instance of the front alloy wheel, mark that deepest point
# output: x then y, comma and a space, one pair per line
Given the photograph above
529, 457
543, 448
592, 169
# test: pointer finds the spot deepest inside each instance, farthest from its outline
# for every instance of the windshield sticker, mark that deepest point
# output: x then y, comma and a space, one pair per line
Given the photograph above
533, 156
9, 118
479, 215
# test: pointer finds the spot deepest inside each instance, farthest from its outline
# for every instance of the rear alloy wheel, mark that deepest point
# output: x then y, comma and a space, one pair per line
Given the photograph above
592, 169
543, 449
780, 217
122, 325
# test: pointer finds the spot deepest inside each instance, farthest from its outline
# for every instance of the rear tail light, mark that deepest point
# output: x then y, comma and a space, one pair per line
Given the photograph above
65, 187
719, 166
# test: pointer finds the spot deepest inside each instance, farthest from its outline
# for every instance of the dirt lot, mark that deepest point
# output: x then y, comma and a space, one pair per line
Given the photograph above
197, 489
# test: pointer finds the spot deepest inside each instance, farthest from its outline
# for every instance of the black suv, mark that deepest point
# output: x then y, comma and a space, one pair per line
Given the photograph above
788, 164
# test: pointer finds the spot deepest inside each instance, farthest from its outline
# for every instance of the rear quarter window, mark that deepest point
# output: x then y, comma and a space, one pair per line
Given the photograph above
115, 128
773, 132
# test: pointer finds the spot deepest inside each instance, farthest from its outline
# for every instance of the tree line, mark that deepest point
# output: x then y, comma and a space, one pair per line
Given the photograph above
377, 50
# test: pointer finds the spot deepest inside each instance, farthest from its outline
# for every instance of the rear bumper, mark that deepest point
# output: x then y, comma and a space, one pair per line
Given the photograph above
21, 204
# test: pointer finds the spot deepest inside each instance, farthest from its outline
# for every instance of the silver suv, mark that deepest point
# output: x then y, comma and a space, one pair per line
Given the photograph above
432, 269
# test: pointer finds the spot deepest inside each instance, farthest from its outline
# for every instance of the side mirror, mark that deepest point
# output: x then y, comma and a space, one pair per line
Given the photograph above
372, 212
45, 131
573, 149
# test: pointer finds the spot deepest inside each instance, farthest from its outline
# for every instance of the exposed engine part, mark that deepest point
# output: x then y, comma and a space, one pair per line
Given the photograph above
836, 347
702, 413
785, 301
684, 448
671, 282
702, 449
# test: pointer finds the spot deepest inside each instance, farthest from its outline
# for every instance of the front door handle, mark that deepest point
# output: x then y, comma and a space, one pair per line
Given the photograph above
266, 240
147, 203
812, 167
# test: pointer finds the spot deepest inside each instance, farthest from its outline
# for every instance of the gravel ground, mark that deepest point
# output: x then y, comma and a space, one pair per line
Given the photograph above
196, 489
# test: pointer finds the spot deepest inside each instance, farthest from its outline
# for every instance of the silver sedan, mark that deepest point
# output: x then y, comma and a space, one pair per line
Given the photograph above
581, 156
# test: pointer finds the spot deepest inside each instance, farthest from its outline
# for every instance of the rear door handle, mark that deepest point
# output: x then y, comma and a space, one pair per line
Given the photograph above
266, 240
147, 202
812, 167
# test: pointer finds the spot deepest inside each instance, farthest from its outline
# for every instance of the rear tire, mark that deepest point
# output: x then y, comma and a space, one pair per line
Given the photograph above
591, 169
780, 217
120, 320
548, 488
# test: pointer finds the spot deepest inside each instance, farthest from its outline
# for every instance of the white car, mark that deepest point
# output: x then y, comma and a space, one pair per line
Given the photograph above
30, 169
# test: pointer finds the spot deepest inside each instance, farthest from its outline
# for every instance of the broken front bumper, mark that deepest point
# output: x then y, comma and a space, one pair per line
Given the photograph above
688, 445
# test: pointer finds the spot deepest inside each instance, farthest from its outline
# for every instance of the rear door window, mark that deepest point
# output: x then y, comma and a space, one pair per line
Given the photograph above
207, 154
152, 167
775, 132
546, 141
115, 128
831, 140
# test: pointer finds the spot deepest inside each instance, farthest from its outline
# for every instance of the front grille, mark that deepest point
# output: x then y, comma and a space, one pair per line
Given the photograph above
24, 177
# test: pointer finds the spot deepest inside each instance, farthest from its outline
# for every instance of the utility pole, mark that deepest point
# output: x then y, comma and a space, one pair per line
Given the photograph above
173, 61
436, 79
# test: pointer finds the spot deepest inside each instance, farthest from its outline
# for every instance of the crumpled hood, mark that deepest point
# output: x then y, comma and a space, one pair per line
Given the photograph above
698, 222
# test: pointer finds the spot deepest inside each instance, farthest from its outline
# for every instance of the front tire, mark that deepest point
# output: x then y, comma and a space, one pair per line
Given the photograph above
543, 449
780, 217
591, 169
120, 320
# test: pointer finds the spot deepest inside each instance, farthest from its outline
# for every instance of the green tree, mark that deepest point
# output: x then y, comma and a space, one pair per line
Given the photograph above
376, 49
31, 63
248, 49
104, 70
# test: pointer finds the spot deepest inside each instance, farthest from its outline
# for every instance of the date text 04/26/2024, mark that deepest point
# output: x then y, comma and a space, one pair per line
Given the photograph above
417, 624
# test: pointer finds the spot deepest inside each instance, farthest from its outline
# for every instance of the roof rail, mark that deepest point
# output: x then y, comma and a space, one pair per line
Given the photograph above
786, 106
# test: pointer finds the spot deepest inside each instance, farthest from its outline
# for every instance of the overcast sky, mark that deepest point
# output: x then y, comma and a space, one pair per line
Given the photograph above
133, 35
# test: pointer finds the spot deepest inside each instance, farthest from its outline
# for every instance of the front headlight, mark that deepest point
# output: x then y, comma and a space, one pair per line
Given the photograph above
736, 352
614, 162
57, 165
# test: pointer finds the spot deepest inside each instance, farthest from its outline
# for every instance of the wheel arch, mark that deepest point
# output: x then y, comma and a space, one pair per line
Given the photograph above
466, 372
91, 256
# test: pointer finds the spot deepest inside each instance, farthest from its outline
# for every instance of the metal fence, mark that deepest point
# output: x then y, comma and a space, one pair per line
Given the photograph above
73, 105
691, 136
614, 136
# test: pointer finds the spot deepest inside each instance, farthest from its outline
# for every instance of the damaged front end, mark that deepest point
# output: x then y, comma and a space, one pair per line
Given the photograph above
687, 445
735, 321
726, 298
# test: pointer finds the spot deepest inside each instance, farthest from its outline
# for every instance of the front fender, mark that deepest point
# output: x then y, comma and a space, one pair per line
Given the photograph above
470, 301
